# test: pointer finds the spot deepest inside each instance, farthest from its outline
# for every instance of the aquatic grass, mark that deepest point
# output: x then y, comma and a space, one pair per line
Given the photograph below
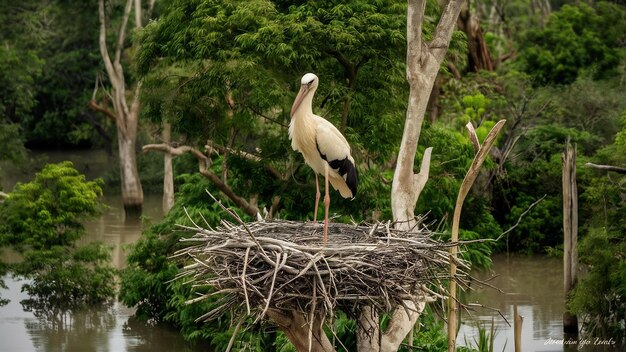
485, 340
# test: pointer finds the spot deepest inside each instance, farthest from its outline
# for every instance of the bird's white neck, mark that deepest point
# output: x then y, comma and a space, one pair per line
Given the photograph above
305, 108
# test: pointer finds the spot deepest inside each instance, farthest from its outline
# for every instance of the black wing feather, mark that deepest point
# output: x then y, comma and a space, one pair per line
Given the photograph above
345, 168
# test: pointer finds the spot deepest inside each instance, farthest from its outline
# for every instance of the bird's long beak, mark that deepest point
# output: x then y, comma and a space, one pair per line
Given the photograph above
304, 90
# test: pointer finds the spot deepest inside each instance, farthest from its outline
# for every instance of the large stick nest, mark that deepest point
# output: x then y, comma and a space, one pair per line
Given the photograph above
285, 265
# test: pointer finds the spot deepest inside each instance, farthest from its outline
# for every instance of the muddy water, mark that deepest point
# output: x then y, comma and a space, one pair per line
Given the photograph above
535, 285
96, 330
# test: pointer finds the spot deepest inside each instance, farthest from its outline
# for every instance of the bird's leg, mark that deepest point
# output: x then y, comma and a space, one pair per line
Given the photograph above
317, 198
326, 203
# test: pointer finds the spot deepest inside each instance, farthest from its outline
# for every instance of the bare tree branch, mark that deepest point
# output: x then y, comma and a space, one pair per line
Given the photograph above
271, 119
138, 14
446, 26
212, 147
519, 219
102, 41
121, 36
203, 167
108, 113
617, 169
473, 137
422, 66
466, 185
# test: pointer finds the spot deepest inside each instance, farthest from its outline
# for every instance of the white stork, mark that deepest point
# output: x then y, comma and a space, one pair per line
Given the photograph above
323, 147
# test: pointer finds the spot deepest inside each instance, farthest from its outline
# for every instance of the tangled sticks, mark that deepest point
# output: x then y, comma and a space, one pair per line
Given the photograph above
283, 265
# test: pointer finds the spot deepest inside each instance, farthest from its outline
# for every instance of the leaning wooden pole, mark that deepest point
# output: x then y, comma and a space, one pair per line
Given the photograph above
517, 329
468, 181
570, 233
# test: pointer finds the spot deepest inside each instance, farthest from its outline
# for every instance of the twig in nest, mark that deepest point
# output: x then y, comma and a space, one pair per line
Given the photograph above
283, 265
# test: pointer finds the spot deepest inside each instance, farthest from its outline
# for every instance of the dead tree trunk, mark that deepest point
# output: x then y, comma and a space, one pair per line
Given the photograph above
423, 62
304, 334
168, 171
124, 115
570, 233
478, 51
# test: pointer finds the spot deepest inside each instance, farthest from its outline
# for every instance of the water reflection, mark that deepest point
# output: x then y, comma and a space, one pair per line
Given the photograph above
114, 229
108, 330
535, 284
142, 337
80, 331
103, 330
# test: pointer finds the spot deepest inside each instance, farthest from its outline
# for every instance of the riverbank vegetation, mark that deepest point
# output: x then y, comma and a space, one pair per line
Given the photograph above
218, 78
42, 220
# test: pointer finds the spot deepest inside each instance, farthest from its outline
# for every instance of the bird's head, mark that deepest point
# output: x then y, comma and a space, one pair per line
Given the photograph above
308, 85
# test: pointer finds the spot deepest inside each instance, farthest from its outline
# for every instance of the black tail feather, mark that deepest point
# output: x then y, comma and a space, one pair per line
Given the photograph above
352, 179
346, 169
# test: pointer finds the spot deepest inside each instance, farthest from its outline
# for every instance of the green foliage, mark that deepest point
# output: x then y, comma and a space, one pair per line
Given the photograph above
71, 63
431, 335
17, 89
620, 139
478, 254
599, 296
50, 51
452, 157
589, 109
577, 38
218, 70
48, 211
11, 139
144, 282
475, 108
214, 67
42, 219
484, 342
64, 279
147, 282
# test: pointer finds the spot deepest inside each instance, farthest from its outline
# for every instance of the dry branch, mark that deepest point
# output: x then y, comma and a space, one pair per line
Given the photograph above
617, 169
269, 266
203, 167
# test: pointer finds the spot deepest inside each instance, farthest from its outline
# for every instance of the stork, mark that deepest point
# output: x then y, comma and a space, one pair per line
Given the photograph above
323, 147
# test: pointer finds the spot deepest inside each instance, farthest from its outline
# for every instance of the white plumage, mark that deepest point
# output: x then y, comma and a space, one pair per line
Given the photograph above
323, 147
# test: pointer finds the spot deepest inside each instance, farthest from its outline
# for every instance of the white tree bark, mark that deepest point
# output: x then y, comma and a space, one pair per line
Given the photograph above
305, 335
570, 232
168, 171
368, 333
125, 117
422, 64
